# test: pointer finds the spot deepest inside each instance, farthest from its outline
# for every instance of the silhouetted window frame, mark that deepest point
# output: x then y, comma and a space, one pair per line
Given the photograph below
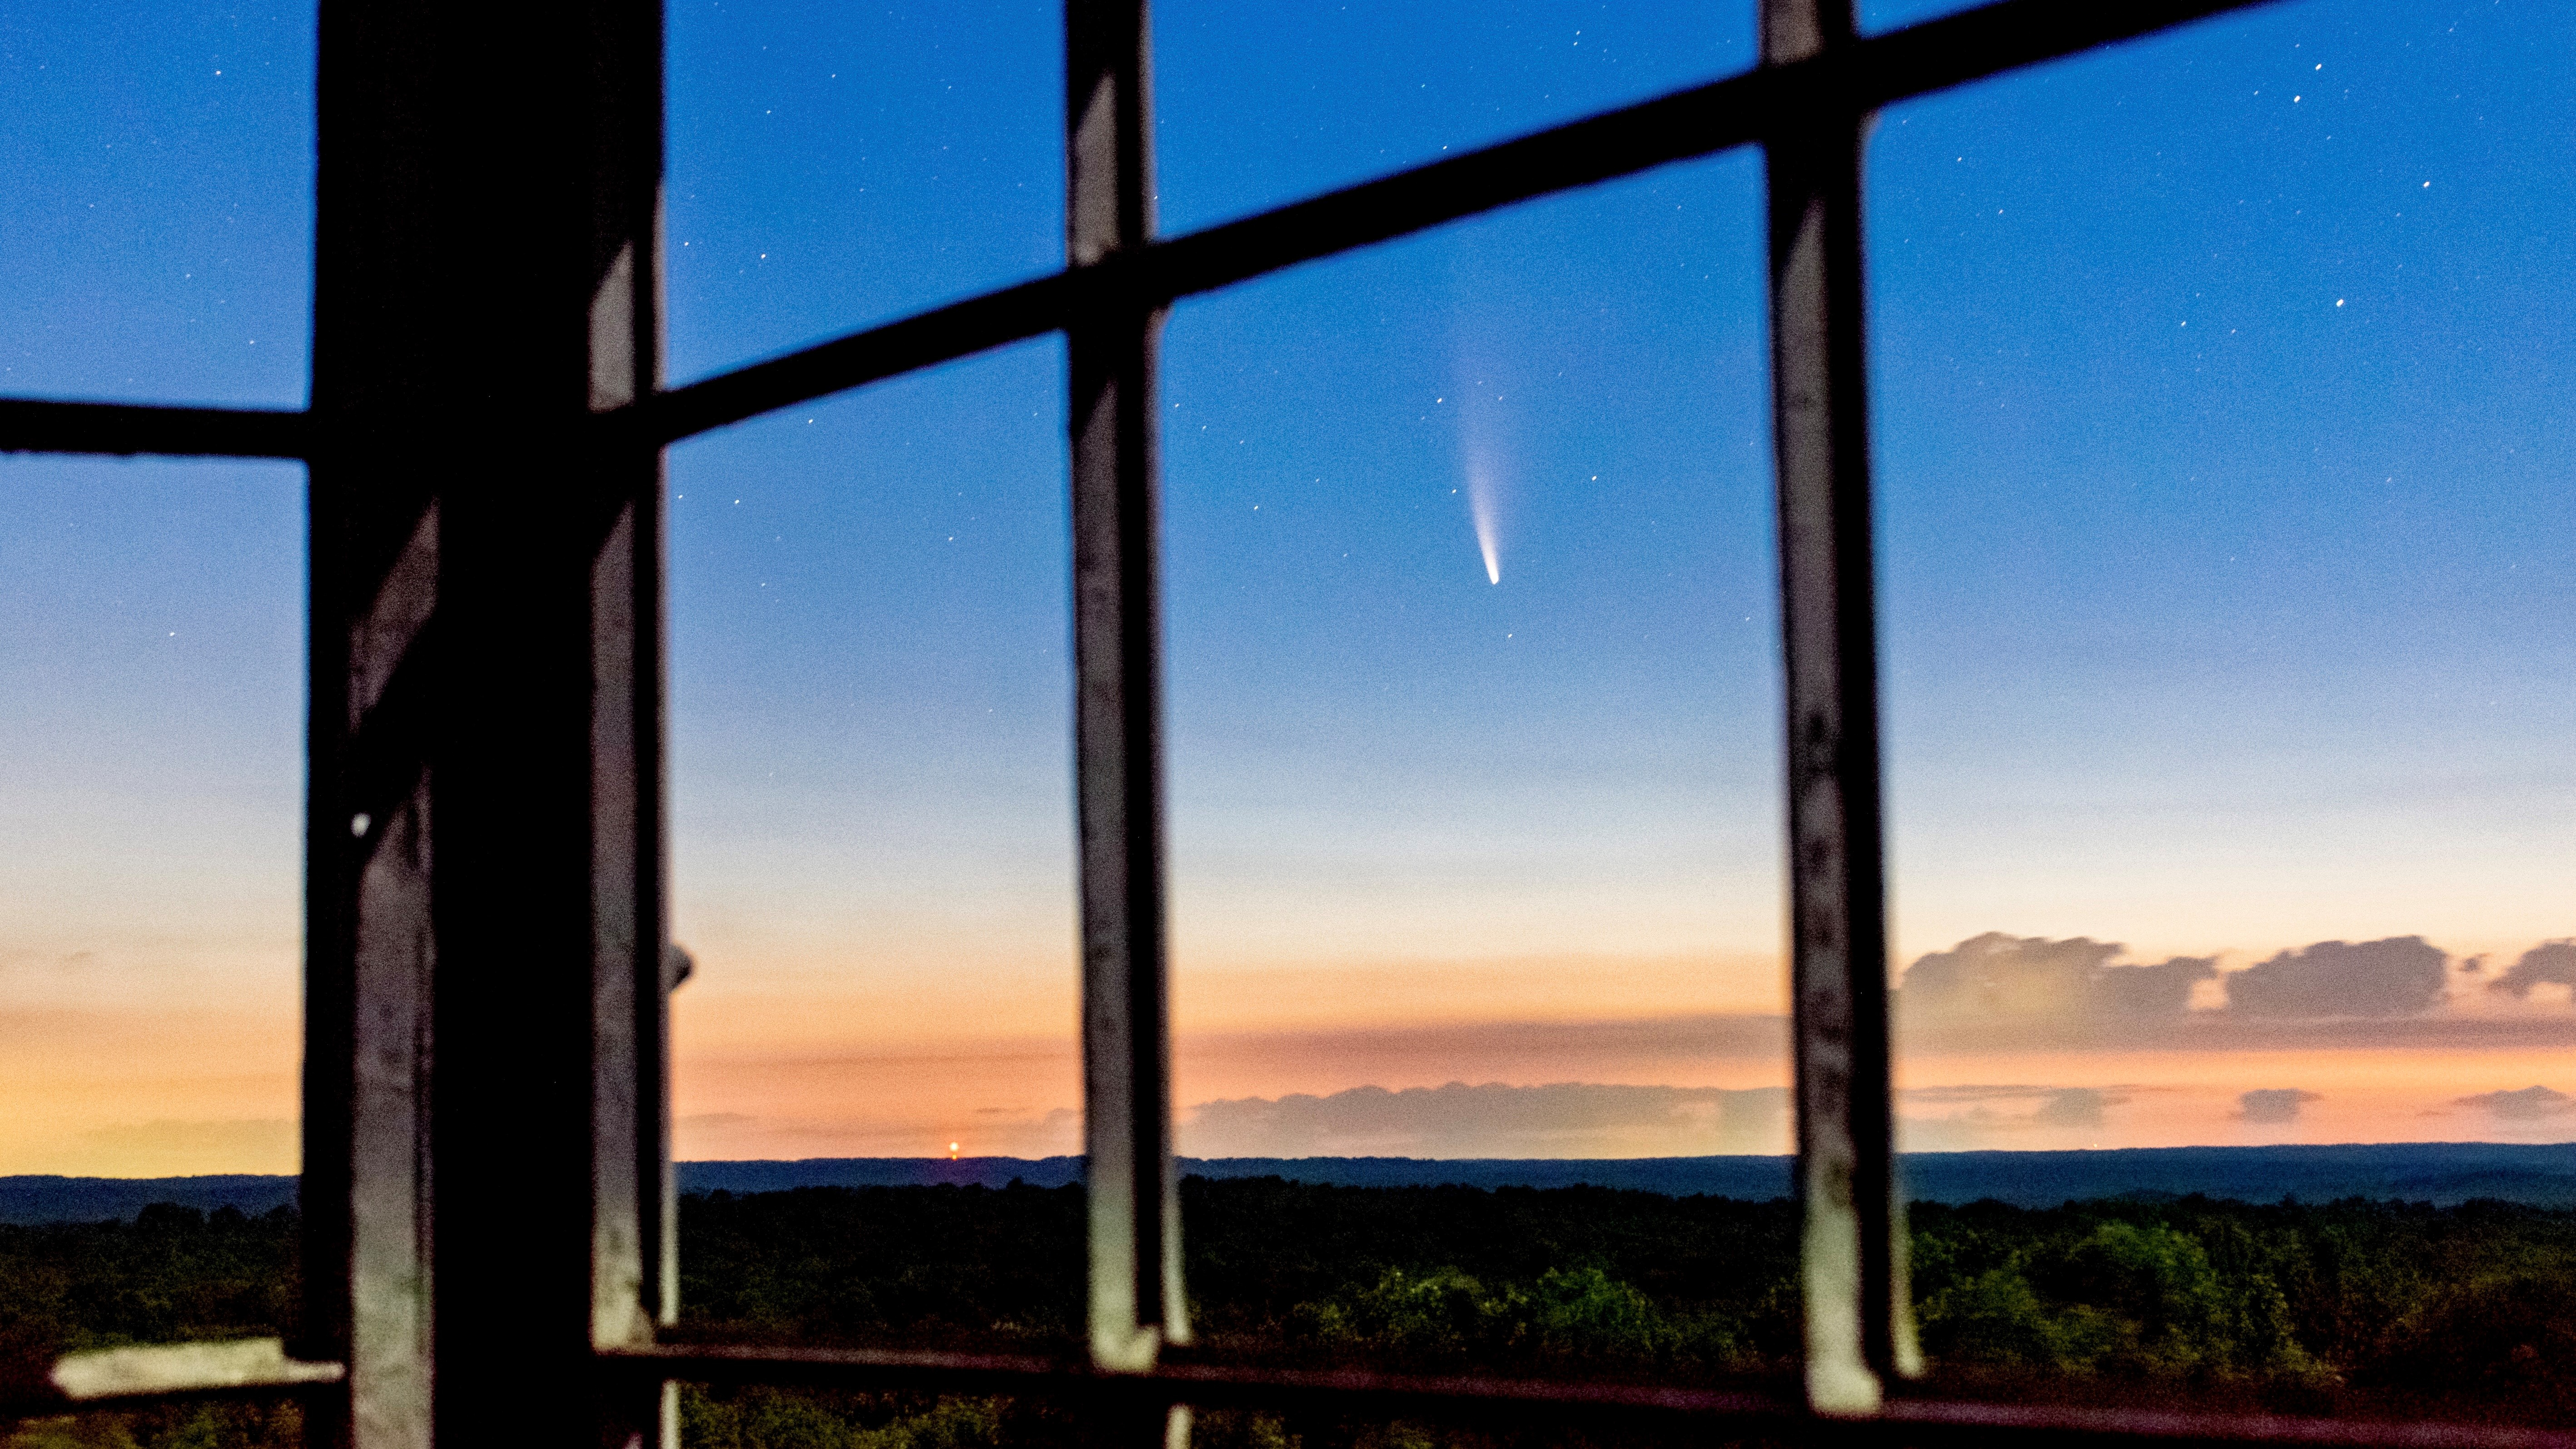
1807, 104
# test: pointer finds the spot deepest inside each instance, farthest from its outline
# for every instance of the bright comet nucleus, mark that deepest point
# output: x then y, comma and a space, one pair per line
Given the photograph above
1480, 507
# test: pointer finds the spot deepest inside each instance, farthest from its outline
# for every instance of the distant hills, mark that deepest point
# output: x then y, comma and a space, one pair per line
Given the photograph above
2443, 1173
97, 1199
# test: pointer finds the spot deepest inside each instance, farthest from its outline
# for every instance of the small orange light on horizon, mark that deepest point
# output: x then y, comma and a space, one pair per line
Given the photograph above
952, 1152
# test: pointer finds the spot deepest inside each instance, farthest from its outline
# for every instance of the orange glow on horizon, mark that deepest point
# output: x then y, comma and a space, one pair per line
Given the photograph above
817, 1064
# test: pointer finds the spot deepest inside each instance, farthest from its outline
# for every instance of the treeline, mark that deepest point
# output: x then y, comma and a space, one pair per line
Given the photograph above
2379, 1309
174, 1273
1431, 1279
2360, 1308
2384, 1309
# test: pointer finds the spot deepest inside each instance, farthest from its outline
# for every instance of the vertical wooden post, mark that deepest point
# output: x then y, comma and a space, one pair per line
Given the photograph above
486, 960
1136, 1304
1859, 1324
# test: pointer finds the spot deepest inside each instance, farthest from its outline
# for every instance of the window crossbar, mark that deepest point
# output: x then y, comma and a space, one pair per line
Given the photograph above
1347, 1394
1352, 1394
1681, 126
31, 425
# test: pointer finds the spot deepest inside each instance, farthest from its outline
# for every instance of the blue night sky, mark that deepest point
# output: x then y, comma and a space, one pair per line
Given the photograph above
2222, 428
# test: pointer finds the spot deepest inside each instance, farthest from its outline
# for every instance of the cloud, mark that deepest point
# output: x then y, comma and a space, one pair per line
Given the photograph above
1991, 993
2057, 1106
2072, 1107
2549, 963
17, 957
2527, 1105
895, 1128
2400, 976
2003, 992
2020, 984
1981, 1094
2273, 1105
1973, 1117
1565, 1050
1563, 1119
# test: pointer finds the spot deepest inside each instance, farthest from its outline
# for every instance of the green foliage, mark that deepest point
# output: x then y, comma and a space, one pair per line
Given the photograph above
1238, 1429
173, 1273
184, 1426
2124, 1299
926, 1267
766, 1418
2354, 1307
2350, 1307
1445, 1318
1580, 1280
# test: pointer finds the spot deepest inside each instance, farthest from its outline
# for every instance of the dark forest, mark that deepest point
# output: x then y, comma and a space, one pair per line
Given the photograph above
2352, 1308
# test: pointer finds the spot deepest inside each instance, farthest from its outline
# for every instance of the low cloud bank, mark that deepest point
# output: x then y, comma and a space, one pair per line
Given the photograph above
1997, 990
2047, 1106
1562, 1119
1959, 1118
2530, 1104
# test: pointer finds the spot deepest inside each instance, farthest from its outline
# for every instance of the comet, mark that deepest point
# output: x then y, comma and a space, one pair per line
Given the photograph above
1480, 508
1484, 429
1484, 490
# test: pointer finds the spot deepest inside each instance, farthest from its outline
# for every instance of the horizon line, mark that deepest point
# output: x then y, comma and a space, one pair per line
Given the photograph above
2239, 1148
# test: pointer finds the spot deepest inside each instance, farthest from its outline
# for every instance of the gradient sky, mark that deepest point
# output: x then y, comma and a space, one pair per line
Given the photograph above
2222, 408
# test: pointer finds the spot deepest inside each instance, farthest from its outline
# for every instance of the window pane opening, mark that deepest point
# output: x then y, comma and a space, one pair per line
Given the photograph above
1476, 874
832, 168
149, 988
873, 868
2227, 670
1258, 108
158, 201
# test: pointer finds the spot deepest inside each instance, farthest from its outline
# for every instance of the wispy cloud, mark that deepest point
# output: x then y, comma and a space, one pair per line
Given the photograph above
2273, 1106
1684, 1035
2528, 1104
1976, 1115
20, 958
899, 1130
1562, 1119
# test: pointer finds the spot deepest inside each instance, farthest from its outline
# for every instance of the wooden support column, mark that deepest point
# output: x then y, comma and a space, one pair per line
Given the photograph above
485, 976
1859, 1321
1136, 1303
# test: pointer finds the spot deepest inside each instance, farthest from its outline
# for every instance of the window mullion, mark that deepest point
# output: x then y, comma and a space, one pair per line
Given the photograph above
1136, 1303
634, 968
1859, 1323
